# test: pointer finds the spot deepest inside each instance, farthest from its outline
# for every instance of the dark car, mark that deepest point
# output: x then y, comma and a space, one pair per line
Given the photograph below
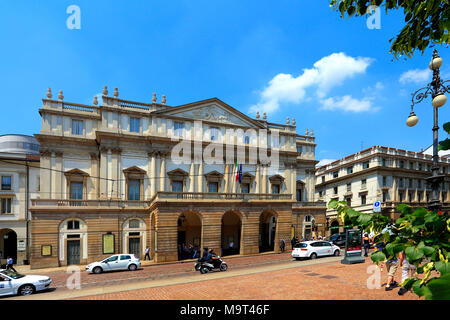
338, 239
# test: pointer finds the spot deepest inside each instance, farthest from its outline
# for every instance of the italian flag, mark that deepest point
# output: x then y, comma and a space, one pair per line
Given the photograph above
238, 172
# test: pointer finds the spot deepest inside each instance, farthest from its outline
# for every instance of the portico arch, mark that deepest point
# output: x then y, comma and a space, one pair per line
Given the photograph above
189, 233
231, 233
8, 244
267, 230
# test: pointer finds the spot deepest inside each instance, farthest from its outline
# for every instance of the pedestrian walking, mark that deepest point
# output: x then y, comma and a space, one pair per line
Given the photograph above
10, 264
293, 242
282, 245
147, 254
391, 268
366, 244
408, 270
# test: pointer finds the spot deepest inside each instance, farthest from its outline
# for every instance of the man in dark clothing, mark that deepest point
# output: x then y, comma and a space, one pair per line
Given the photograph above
10, 264
293, 242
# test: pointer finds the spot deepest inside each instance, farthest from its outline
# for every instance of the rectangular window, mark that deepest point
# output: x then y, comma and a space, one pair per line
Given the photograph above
335, 174
177, 186
299, 194
419, 184
6, 205
363, 200
384, 196
400, 196
73, 225
245, 188
363, 183
335, 190
178, 129
135, 124
299, 149
275, 142
276, 188
419, 196
411, 165
214, 133
410, 197
420, 166
350, 170
213, 187
77, 127
323, 179
349, 201
402, 164
134, 189
349, 187
366, 165
246, 139
320, 194
6, 182
400, 183
410, 183
384, 181
383, 162
76, 190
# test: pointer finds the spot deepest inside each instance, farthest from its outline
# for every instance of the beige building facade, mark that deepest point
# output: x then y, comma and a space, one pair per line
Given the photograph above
391, 176
126, 175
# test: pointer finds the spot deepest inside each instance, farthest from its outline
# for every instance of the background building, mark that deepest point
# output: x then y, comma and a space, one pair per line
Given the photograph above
389, 175
109, 182
19, 178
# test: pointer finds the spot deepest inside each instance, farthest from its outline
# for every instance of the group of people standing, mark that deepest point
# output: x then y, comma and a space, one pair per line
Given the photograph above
188, 252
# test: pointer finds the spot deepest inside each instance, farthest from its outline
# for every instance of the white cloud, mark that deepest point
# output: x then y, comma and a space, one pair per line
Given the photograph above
324, 162
348, 104
327, 73
415, 76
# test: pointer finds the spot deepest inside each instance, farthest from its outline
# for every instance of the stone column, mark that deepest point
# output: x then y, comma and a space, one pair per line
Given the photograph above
294, 183
163, 173
157, 175
287, 177
226, 178
92, 182
59, 177
394, 189
192, 177
103, 173
152, 174
200, 177
258, 179
264, 179
45, 180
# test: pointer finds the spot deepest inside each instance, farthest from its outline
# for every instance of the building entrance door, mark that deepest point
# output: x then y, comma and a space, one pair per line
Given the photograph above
73, 252
134, 246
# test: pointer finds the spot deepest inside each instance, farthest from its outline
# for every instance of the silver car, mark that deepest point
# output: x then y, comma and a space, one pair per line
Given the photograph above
122, 261
12, 283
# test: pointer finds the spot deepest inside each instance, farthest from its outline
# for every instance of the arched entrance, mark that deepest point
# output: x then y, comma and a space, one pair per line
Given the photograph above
267, 231
189, 235
73, 248
334, 227
8, 244
231, 233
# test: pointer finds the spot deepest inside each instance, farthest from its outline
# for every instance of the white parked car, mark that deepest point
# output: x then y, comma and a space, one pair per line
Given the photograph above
122, 261
314, 249
12, 283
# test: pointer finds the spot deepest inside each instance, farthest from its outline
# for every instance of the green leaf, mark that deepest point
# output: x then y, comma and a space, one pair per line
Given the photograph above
438, 288
443, 267
413, 254
333, 204
446, 127
421, 290
378, 256
444, 145
364, 218
427, 250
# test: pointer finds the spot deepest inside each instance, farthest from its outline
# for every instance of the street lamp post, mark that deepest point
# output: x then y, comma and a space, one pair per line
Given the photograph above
436, 89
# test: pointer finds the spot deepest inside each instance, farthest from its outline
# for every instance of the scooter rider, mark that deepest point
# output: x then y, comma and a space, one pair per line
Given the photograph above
204, 256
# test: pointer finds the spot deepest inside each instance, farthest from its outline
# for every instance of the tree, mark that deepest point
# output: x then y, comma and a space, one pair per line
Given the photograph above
426, 21
422, 234
445, 144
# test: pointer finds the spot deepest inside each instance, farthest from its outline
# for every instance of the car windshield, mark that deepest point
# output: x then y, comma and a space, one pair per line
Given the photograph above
13, 275
300, 245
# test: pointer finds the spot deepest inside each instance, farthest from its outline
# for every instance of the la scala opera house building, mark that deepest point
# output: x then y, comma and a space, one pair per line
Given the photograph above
120, 176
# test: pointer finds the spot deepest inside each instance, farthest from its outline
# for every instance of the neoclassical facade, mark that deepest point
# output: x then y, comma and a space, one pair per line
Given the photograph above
126, 175
389, 175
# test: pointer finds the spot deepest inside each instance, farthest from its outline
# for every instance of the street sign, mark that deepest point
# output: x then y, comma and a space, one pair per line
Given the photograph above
377, 206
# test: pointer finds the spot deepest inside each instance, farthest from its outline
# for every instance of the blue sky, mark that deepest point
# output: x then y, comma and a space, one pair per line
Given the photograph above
236, 51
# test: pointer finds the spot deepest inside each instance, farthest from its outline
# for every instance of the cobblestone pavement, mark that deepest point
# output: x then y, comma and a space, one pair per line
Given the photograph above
157, 272
324, 281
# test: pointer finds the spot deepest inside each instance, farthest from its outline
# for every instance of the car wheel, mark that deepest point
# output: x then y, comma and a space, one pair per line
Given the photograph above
26, 290
223, 267
337, 253
204, 270
97, 270
197, 267
313, 256
132, 267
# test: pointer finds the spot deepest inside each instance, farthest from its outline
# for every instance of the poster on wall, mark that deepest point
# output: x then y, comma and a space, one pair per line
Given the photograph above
108, 244
21, 245
46, 250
